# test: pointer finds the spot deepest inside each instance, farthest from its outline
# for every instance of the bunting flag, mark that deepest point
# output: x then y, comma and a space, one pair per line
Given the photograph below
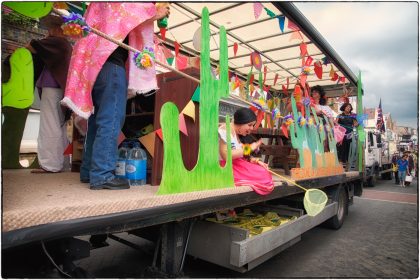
196, 95
177, 46
68, 150
335, 77
163, 33
303, 49
235, 48
189, 110
308, 61
332, 72
183, 124
276, 77
292, 26
302, 79
181, 62
148, 141
285, 130
296, 36
257, 9
121, 138
170, 60
251, 80
159, 133
281, 22
260, 117
342, 80
318, 69
325, 60
284, 90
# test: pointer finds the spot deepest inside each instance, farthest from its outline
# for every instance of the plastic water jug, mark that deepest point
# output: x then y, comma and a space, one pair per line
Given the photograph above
121, 160
136, 164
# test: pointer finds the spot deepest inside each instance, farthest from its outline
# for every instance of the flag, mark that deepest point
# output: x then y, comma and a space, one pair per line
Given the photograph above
292, 26
380, 124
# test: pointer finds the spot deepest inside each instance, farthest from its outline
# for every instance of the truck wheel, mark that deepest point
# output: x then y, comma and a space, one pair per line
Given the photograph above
340, 196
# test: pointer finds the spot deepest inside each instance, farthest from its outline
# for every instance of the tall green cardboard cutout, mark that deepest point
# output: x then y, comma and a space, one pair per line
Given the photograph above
207, 174
17, 97
30, 9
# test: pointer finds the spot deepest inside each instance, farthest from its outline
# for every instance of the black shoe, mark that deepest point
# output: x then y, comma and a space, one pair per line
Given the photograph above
114, 184
84, 180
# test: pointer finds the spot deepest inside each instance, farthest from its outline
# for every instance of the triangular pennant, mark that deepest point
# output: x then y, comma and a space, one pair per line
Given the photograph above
177, 46
235, 48
170, 60
284, 129
283, 87
270, 13
163, 33
335, 77
183, 124
159, 133
181, 62
189, 110
257, 9
121, 138
275, 79
196, 95
342, 80
281, 22
148, 141
296, 36
332, 72
260, 117
291, 25
68, 150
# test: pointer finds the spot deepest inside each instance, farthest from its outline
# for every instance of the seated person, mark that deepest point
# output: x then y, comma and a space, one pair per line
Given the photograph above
247, 170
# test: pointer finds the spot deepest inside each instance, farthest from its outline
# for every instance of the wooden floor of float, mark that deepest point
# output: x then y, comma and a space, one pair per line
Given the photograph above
37, 199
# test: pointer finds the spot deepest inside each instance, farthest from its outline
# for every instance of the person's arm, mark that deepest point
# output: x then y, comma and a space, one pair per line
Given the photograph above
236, 153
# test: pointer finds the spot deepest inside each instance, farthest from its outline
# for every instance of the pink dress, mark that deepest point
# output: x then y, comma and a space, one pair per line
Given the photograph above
246, 173
117, 19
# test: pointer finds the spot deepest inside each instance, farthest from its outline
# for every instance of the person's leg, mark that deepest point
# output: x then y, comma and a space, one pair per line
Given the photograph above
52, 138
397, 181
110, 97
87, 150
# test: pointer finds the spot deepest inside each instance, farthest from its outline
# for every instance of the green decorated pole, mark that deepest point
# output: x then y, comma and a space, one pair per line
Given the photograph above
360, 129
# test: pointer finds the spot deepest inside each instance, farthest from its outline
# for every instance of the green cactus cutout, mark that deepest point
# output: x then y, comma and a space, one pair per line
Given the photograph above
360, 129
207, 174
30, 9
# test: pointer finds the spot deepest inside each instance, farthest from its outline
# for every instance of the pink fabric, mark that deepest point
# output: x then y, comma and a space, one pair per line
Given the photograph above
253, 175
90, 53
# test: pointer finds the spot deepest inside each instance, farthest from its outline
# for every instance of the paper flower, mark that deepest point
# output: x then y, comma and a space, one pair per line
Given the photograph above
145, 58
256, 60
288, 120
301, 121
260, 104
309, 122
75, 26
306, 101
306, 70
246, 150
275, 114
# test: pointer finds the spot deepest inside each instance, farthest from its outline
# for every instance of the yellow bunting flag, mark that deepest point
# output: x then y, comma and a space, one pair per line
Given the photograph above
189, 110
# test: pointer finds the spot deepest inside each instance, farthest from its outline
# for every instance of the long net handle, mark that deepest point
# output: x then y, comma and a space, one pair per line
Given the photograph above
129, 48
287, 180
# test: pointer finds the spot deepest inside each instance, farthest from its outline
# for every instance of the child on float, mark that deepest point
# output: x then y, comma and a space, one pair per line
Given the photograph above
247, 170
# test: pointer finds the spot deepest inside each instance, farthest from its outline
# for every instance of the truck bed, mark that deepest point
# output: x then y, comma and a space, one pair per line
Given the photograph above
48, 206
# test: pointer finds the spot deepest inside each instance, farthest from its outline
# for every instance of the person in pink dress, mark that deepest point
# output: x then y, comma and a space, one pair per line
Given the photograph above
247, 170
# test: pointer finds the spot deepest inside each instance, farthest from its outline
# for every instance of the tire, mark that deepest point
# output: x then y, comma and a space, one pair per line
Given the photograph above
370, 182
340, 196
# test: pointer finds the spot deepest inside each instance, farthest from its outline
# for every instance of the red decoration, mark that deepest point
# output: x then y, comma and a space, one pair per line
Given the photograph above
256, 60
159, 133
284, 90
260, 117
308, 61
335, 77
318, 69
303, 49
163, 33
235, 48
251, 80
275, 79
177, 45
68, 150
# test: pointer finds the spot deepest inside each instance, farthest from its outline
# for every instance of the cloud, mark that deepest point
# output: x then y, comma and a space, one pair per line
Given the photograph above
381, 40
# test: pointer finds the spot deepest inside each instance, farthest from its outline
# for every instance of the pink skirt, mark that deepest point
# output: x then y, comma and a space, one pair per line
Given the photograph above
253, 175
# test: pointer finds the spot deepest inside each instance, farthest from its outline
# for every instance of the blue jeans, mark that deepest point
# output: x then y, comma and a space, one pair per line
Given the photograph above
401, 176
109, 97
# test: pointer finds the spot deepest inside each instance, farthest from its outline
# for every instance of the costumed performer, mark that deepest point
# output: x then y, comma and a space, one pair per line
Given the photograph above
348, 121
247, 170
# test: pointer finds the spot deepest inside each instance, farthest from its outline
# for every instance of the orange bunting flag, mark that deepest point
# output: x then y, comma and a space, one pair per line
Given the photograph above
296, 36
159, 133
235, 48
260, 117
275, 79
177, 45
332, 72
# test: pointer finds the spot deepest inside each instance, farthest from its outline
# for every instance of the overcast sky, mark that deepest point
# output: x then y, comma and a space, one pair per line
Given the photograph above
380, 39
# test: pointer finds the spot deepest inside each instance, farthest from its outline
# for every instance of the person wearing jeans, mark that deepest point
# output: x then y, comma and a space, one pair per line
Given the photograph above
402, 169
109, 96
